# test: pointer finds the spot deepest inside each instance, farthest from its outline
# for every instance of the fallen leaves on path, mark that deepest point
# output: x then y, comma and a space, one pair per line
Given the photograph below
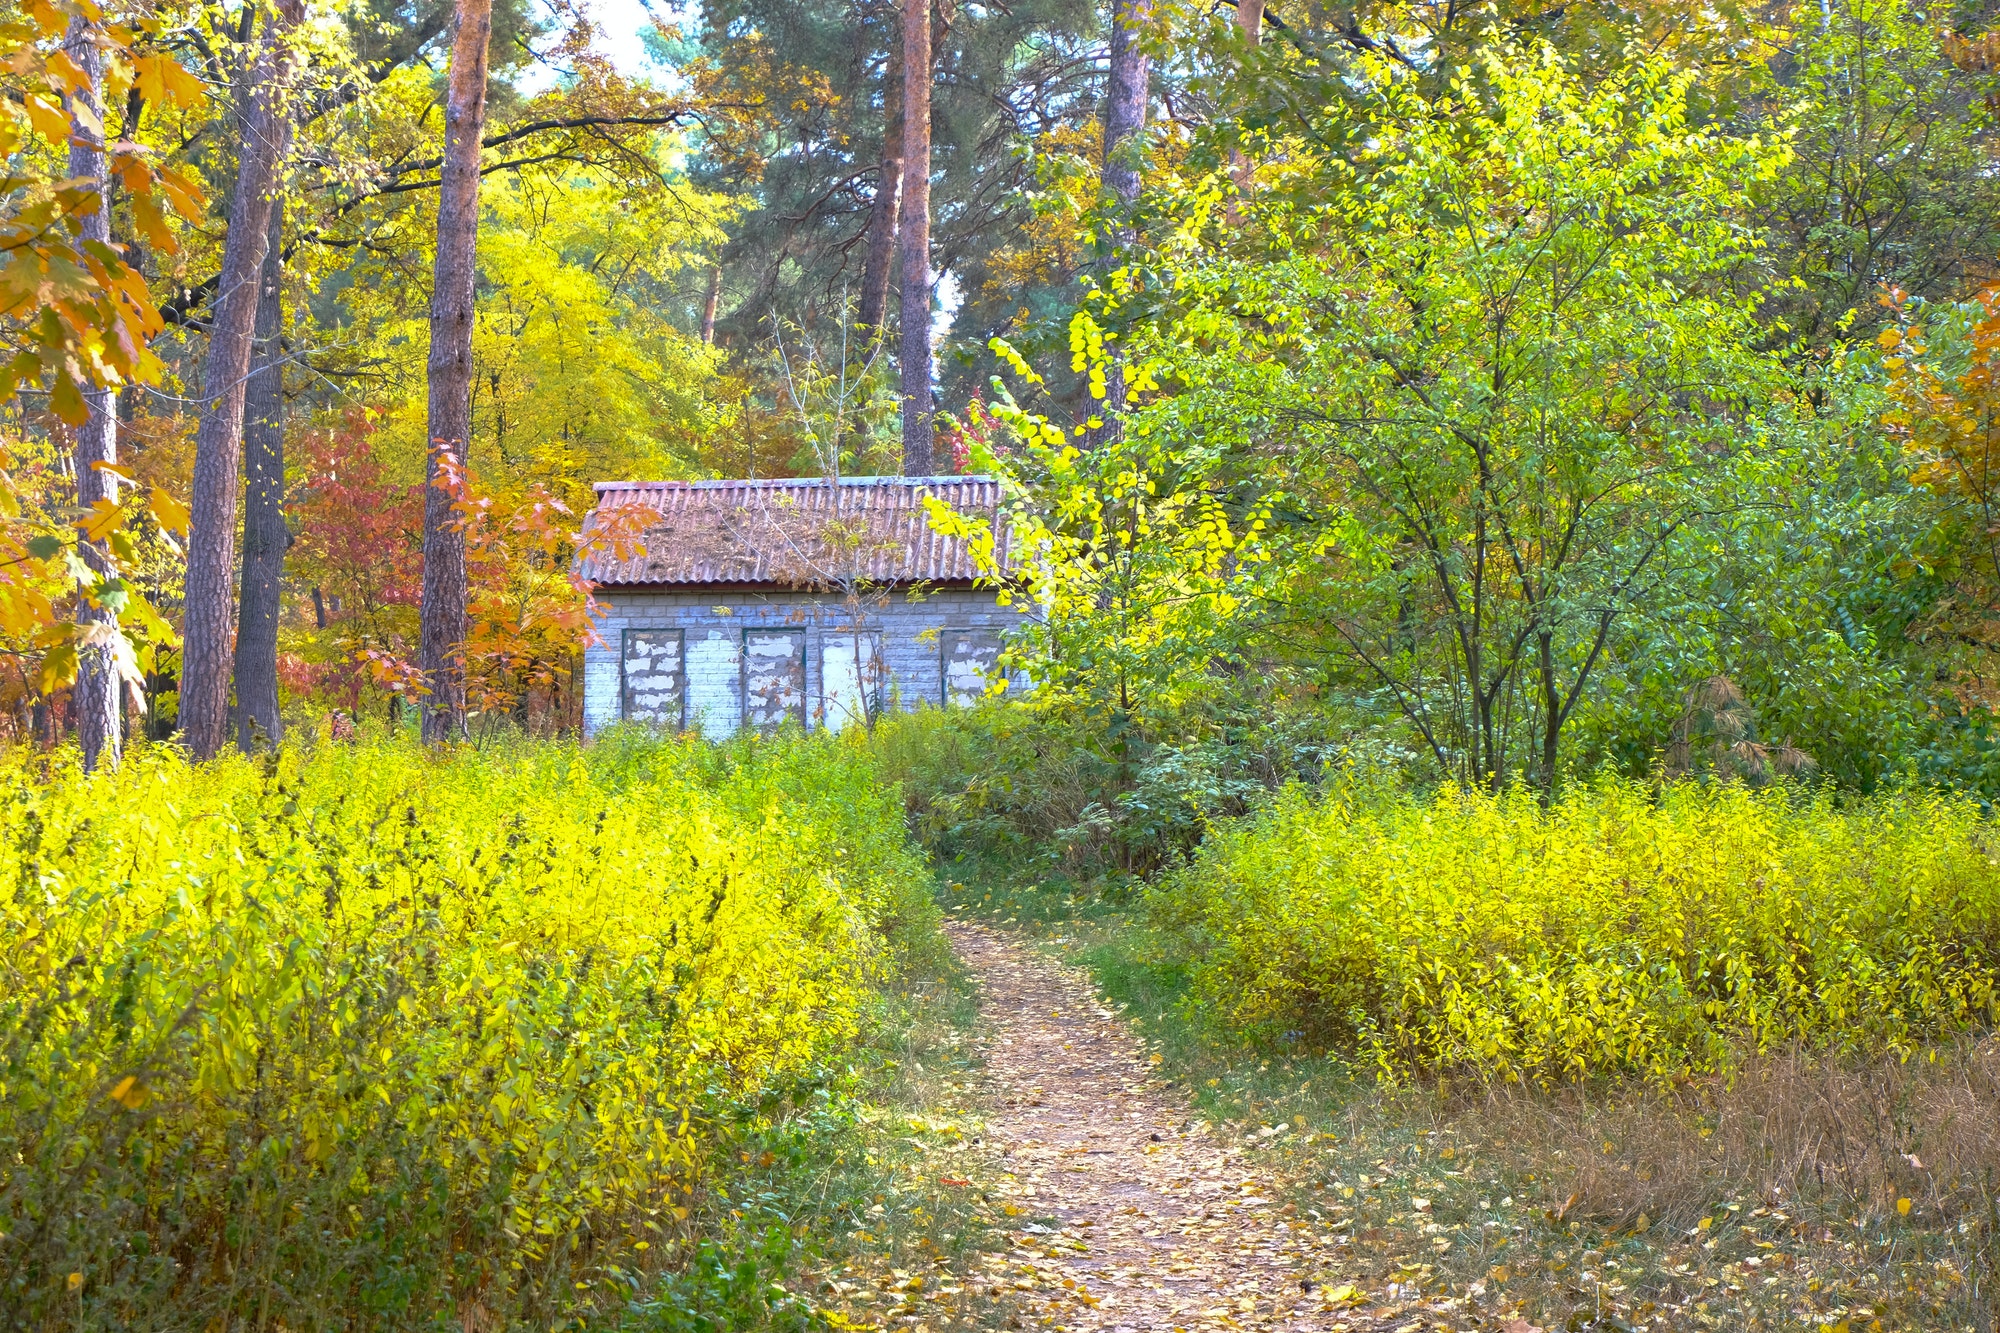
1157, 1224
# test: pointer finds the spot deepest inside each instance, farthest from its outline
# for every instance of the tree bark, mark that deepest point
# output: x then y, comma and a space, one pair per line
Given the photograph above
709, 303
915, 241
880, 261
96, 697
266, 536
1125, 99
1249, 22
205, 656
444, 609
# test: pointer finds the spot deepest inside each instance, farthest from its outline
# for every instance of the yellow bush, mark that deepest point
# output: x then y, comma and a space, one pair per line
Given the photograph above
1621, 930
382, 1035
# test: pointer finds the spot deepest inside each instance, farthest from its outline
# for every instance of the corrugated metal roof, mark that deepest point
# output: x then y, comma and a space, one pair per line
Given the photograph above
795, 533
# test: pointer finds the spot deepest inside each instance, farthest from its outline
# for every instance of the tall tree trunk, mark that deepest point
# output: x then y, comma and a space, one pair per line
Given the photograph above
97, 684
266, 536
709, 303
880, 261
205, 656
1124, 137
1125, 99
444, 613
915, 241
1250, 22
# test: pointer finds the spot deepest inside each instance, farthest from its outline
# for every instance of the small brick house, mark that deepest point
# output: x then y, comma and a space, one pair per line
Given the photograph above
751, 603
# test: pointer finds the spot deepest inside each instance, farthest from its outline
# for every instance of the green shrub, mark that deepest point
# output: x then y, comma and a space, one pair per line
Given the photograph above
1622, 930
1042, 790
360, 1036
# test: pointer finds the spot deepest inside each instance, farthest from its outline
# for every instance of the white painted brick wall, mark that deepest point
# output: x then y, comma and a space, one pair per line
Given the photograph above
715, 681
600, 683
714, 623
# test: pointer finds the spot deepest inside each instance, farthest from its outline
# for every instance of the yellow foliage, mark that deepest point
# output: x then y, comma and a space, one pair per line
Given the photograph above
1621, 930
578, 372
458, 1023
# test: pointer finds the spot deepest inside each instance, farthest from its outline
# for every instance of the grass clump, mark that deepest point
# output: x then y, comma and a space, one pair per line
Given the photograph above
361, 1034
1621, 930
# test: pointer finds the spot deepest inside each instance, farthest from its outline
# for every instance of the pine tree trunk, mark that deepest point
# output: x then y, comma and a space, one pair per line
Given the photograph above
1124, 137
96, 697
709, 303
915, 241
1125, 99
265, 533
206, 651
444, 610
880, 261
1249, 22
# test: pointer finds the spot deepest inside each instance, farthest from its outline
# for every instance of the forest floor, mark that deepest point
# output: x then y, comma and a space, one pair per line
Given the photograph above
1145, 1217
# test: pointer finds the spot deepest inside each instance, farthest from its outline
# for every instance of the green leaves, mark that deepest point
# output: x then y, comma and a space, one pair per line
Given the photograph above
1435, 404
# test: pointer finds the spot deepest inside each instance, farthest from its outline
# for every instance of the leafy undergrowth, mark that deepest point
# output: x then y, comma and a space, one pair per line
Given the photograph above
907, 1191
532, 1035
1622, 930
866, 1213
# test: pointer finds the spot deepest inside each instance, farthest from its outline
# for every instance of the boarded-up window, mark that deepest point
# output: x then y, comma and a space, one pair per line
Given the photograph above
655, 678
774, 677
851, 677
971, 663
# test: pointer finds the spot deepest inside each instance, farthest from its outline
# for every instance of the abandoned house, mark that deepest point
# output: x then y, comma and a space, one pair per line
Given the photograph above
730, 604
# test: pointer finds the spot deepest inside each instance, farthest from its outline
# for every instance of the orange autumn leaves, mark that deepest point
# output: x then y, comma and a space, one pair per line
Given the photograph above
1945, 403
528, 609
76, 316
360, 553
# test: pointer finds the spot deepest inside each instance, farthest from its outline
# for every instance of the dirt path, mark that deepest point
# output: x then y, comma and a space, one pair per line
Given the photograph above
1160, 1227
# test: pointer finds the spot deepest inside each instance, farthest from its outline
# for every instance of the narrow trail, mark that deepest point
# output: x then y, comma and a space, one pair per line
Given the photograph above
1160, 1227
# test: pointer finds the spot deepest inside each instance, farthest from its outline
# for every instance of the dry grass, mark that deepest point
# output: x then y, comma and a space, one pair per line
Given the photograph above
1852, 1137
1800, 1193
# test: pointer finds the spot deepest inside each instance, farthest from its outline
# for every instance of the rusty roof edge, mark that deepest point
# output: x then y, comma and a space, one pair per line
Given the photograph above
911, 549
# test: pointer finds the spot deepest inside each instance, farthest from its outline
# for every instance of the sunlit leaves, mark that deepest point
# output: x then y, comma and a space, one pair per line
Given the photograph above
414, 1016
173, 516
1945, 389
44, 574
161, 80
75, 317
1623, 929
1452, 382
